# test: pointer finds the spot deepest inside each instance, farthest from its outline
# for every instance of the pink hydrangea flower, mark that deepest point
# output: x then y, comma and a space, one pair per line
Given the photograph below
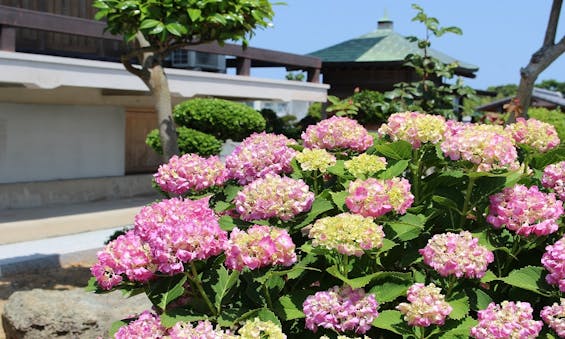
341, 309
554, 317
554, 261
525, 210
126, 255
554, 178
539, 135
489, 147
147, 325
414, 127
376, 197
337, 133
457, 254
179, 231
427, 306
349, 234
203, 330
190, 172
258, 155
273, 196
507, 320
260, 246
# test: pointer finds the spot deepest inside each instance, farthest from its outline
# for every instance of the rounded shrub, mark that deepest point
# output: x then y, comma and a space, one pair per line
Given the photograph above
221, 118
553, 117
189, 141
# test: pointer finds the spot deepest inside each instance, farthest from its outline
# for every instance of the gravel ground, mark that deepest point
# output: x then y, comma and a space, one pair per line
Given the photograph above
62, 278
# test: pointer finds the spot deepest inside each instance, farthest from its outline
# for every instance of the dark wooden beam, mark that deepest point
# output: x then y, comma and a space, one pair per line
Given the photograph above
7, 38
243, 66
313, 75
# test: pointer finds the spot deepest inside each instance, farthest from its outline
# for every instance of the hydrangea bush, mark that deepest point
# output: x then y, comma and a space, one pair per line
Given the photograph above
428, 229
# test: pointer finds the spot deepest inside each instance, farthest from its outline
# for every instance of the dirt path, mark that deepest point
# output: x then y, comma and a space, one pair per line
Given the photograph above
61, 278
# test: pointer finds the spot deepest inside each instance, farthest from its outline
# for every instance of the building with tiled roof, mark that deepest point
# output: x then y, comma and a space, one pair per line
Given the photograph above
375, 61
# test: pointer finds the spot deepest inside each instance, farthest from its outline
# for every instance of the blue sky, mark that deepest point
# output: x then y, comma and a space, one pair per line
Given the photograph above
499, 36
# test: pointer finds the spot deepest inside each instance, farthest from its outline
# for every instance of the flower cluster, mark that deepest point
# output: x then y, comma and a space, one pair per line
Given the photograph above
341, 309
427, 306
260, 246
375, 197
203, 330
507, 320
147, 325
349, 234
261, 329
273, 196
539, 135
487, 146
414, 127
127, 255
180, 231
190, 172
525, 210
316, 159
554, 261
365, 165
457, 254
258, 155
554, 317
554, 178
337, 133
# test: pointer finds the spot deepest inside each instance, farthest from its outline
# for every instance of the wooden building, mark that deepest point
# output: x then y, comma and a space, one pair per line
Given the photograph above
375, 61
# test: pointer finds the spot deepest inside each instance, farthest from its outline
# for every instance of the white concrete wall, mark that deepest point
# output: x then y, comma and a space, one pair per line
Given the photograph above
48, 142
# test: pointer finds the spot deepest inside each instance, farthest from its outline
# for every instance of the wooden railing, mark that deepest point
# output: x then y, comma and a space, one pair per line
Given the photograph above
13, 18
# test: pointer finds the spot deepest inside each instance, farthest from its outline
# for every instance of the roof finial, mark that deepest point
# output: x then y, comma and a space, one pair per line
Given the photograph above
384, 22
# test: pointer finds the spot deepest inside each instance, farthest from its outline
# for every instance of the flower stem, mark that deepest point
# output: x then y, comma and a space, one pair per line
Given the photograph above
416, 174
267, 296
465, 209
198, 284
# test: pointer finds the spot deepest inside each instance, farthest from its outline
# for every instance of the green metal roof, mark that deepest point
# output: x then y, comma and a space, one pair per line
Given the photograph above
382, 45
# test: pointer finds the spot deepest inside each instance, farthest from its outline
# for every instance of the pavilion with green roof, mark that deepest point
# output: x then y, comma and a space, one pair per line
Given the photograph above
375, 61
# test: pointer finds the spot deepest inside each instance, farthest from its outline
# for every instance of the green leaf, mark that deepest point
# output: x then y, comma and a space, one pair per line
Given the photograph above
319, 206
265, 314
391, 287
528, 278
231, 191
171, 317
395, 170
225, 282
458, 329
157, 29
337, 169
460, 304
446, 202
488, 277
226, 223
478, 299
408, 227
289, 307
339, 199
166, 289
149, 23
390, 320
176, 29
100, 14
364, 280
399, 150
116, 326
194, 14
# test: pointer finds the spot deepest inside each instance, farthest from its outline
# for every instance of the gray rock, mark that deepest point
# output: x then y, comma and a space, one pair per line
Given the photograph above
66, 314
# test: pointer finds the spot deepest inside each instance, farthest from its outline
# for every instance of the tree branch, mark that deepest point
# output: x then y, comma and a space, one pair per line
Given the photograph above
551, 30
142, 73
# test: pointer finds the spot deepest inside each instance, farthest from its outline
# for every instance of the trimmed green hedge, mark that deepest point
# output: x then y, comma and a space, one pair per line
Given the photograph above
554, 117
189, 141
221, 118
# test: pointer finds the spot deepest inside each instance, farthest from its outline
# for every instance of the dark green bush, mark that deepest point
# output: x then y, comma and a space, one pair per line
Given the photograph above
189, 140
554, 117
221, 118
372, 107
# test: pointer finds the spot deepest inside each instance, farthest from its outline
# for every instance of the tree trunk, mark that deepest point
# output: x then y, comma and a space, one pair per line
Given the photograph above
540, 60
160, 90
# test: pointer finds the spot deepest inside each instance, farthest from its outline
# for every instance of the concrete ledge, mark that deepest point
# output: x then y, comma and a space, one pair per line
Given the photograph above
48, 193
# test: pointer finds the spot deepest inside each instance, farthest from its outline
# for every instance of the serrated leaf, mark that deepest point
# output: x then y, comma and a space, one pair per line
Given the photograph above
337, 169
226, 223
339, 199
171, 317
446, 202
289, 307
364, 280
459, 329
399, 150
164, 290
116, 326
478, 299
390, 320
488, 277
408, 227
395, 170
391, 288
319, 206
460, 305
387, 245
225, 282
528, 278
265, 314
